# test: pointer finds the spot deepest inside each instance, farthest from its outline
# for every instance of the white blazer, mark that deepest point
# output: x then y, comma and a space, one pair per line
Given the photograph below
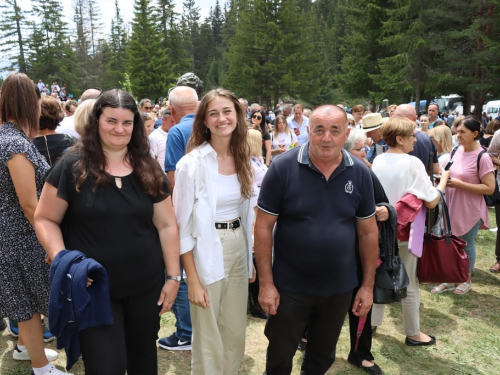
207, 248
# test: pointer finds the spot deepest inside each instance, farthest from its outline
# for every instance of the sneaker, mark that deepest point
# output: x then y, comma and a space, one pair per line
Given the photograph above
13, 328
3, 325
174, 343
53, 371
25, 356
47, 336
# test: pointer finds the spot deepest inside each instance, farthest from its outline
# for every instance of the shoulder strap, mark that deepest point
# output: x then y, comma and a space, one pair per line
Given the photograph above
430, 169
453, 152
479, 158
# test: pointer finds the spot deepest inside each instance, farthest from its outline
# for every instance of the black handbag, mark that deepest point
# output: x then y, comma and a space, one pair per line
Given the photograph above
390, 283
391, 278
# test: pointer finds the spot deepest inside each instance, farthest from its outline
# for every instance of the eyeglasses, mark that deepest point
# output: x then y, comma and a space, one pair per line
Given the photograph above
148, 108
257, 117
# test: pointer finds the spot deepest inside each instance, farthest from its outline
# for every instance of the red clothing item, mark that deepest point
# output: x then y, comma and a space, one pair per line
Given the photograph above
407, 208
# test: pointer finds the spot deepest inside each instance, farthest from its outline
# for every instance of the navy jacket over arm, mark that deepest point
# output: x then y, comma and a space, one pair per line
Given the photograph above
74, 307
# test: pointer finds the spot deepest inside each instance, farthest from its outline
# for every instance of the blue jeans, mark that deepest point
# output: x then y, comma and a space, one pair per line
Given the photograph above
470, 248
180, 309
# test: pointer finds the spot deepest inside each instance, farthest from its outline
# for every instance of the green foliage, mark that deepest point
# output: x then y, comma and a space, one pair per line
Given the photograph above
149, 66
272, 53
13, 32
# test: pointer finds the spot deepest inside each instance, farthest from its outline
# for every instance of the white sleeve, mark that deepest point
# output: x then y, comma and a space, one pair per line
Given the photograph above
183, 200
421, 185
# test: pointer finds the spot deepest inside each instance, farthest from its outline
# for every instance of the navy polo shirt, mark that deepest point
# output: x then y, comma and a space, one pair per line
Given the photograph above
315, 234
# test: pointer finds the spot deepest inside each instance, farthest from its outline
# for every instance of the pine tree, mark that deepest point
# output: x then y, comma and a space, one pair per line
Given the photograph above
272, 53
51, 55
149, 67
190, 29
13, 26
114, 54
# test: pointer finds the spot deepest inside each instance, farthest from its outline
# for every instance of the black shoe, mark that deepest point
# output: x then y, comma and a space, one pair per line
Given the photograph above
302, 345
259, 314
3, 325
375, 369
411, 342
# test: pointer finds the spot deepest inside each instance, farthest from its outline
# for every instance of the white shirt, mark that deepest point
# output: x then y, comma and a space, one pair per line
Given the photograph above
303, 136
207, 248
229, 198
283, 140
67, 126
400, 174
259, 171
158, 143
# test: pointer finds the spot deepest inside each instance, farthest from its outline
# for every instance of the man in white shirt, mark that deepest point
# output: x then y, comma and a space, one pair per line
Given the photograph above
158, 138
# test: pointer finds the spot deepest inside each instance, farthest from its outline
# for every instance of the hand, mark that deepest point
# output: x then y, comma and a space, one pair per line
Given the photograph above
167, 295
363, 301
445, 174
254, 275
269, 299
89, 282
49, 258
198, 295
382, 213
369, 142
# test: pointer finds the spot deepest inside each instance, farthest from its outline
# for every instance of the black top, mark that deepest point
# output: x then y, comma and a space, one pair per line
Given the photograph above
422, 149
265, 137
485, 142
52, 146
315, 234
113, 226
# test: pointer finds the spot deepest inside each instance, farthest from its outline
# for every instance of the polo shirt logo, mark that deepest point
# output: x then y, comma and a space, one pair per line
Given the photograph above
349, 187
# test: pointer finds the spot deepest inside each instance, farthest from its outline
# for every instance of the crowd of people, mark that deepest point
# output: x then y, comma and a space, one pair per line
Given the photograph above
114, 213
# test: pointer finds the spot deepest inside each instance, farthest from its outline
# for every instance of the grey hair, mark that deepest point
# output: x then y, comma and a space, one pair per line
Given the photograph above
244, 101
144, 101
254, 105
355, 136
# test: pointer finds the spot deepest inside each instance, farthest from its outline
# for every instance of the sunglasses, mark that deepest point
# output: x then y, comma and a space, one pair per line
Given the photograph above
257, 117
148, 108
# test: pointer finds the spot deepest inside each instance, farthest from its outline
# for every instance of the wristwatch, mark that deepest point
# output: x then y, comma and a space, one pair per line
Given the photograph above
176, 278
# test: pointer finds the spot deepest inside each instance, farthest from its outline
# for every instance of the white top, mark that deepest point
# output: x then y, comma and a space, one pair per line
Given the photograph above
400, 174
207, 249
229, 198
443, 160
67, 126
259, 171
303, 136
283, 141
158, 143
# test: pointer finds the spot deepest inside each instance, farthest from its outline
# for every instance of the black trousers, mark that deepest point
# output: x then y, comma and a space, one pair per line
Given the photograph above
323, 317
129, 344
253, 289
497, 247
365, 340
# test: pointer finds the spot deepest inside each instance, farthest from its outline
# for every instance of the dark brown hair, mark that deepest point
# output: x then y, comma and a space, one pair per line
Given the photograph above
19, 103
473, 124
238, 146
51, 114
92, 162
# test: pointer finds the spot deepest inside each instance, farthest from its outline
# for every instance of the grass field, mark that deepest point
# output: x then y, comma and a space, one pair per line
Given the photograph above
467, 329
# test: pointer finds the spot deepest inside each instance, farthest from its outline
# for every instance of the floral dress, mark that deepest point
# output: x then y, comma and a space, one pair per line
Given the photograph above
24, 275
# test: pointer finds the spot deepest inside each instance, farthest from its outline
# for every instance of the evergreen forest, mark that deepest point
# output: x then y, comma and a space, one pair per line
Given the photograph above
322, 51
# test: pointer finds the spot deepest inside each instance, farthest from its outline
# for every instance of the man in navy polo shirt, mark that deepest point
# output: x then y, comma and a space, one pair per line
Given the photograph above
320, 199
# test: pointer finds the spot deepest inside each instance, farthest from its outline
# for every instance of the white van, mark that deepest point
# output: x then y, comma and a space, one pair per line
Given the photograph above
493, 108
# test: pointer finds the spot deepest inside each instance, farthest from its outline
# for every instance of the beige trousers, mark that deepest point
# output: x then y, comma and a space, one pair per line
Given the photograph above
411, 304
218, 341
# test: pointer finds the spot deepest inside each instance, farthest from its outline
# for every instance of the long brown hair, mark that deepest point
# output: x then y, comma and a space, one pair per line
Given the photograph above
92, 161
238, 147
19, 103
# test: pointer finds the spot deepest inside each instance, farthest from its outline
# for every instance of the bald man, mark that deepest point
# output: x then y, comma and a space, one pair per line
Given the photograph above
424, 145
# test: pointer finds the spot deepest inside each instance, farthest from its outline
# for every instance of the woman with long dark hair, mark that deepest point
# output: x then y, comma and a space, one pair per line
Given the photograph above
115, 204
215, 217
24, 275
258, 119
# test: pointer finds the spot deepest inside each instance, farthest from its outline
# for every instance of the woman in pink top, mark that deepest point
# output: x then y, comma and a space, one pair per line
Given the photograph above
464, 193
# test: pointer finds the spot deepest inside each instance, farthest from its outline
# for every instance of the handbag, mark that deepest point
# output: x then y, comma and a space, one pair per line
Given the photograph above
443, 257
391, 279
391, 283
